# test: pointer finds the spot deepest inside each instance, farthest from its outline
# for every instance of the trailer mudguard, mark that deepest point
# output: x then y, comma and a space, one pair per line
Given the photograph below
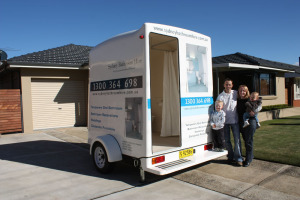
111, 146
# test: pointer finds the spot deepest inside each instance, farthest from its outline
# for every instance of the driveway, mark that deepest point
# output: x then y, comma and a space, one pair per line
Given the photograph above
55, 164
41, 166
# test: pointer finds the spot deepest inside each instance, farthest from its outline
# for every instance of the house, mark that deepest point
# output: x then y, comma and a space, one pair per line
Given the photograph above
292, 84
260, 75
53, 85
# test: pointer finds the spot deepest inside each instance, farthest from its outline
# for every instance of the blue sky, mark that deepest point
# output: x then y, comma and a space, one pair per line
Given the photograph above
268, 29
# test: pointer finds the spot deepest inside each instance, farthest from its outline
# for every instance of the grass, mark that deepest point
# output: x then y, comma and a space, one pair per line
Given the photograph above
278, 141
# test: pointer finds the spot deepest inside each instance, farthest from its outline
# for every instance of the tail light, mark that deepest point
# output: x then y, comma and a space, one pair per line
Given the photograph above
207, 147
158, 160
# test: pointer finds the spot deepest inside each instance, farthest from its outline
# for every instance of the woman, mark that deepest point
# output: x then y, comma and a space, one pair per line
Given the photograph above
248, 132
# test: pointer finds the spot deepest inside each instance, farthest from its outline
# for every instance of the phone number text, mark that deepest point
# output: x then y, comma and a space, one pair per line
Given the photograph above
117, 84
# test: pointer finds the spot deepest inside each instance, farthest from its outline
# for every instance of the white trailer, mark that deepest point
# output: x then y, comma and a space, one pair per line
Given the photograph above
149, 100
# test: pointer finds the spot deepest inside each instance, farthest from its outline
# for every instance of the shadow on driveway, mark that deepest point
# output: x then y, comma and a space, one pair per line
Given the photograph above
66, 157
71, 157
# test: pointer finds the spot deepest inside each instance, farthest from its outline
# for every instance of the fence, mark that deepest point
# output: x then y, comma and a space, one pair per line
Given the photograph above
10, 111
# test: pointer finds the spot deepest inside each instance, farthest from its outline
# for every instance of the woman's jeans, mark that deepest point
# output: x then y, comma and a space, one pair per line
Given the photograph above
248, 134
233, 154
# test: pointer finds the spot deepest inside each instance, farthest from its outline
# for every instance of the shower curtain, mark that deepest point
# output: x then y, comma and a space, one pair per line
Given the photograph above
171, 103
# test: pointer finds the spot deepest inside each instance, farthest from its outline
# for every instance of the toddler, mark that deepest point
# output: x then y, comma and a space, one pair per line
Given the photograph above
217, 121
251, 105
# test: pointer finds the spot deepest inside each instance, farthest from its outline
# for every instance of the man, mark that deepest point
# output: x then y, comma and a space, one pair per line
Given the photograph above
229, 97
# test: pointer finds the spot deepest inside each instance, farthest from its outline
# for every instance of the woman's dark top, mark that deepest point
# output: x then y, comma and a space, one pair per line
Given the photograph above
241, 109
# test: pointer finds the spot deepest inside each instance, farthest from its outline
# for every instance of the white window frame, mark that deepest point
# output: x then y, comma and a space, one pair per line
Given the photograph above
297, 88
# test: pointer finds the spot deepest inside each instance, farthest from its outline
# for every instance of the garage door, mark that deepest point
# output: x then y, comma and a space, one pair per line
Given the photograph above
58, 103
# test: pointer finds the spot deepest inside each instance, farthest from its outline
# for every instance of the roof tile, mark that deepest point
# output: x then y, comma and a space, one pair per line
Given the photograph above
68, 55
241, 58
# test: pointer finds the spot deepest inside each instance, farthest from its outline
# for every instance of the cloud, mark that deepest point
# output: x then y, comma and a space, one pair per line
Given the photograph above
296, 63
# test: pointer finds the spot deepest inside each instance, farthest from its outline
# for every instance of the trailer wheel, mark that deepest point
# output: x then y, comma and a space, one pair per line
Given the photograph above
101, 160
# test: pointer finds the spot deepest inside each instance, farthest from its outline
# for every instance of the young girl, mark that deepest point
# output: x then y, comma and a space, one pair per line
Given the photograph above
217, 122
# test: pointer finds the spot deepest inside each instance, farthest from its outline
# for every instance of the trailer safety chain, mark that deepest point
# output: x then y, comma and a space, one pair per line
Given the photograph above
136, 163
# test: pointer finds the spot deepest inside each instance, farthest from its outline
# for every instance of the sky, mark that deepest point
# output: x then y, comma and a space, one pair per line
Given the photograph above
268, 29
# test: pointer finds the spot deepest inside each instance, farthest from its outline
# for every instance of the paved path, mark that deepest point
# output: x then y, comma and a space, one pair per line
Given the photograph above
261, 180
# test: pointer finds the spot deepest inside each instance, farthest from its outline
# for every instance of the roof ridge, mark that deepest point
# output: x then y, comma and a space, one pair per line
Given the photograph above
50, 49
249, 58
257, 59
224, 55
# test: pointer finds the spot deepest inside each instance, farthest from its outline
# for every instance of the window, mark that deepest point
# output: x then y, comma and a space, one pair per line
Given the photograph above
297, 88
265, 84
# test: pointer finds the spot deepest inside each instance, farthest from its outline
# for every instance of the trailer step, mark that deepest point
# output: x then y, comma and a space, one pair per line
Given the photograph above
183, 163
172, 164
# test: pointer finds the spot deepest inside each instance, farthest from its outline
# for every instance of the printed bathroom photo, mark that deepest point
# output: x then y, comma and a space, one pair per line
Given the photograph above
196, 62
134, 117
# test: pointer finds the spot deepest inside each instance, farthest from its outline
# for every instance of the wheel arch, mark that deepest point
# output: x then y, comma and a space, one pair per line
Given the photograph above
111, 146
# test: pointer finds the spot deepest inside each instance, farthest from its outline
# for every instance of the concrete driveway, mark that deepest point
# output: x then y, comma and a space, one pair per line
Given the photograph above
41, 166
55, 164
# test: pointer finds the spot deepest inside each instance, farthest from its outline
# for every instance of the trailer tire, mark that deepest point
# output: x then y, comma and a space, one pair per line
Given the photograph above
101, 160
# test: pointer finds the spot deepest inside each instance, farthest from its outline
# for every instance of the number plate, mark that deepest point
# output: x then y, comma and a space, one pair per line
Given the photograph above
186, 153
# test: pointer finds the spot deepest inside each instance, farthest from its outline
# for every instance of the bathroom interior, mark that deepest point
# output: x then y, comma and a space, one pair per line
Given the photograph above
165, 136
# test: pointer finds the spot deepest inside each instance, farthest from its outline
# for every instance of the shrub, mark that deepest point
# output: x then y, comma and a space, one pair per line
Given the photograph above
275, 107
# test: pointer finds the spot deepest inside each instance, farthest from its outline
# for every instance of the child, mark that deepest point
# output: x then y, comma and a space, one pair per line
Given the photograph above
251, 105
217, 121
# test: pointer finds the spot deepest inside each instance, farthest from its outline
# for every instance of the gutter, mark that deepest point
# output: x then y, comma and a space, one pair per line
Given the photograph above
244, 66
43, 67
78, 66
72, 67
235, 65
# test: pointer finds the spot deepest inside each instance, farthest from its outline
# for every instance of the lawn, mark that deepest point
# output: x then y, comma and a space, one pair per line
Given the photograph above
278, 141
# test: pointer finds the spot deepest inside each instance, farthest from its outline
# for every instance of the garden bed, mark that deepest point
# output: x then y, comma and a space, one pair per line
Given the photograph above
277, 113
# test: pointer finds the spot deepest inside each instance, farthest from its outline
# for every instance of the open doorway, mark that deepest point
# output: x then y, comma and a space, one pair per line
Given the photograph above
165, 92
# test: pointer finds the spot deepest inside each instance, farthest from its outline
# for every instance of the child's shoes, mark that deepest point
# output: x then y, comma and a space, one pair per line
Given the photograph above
218, 150
258, 125
246, 123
